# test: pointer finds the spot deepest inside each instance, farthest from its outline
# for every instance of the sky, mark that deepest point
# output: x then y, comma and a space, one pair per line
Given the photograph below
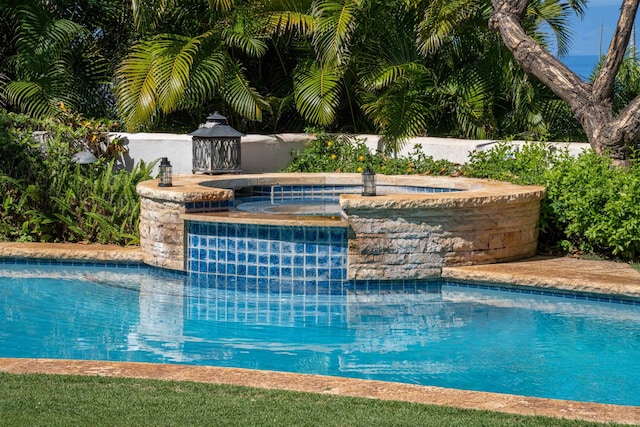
599, 14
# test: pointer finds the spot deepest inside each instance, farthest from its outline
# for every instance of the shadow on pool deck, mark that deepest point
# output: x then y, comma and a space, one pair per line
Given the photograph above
559, 273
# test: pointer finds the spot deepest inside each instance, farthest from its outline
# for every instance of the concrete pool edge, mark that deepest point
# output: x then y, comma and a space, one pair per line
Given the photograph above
558, 273
429, 395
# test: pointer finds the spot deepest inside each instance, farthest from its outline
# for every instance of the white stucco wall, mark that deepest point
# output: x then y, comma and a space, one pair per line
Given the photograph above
272, 153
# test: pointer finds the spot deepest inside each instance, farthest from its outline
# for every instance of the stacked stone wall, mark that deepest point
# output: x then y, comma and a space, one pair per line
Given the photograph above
417, 242
162, 233
162, 226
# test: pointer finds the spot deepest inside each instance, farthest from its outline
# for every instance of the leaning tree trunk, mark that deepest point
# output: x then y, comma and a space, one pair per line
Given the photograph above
592, 104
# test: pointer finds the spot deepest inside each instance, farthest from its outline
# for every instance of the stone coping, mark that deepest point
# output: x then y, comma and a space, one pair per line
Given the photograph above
547, 272
187, 188
71, 252
234, 217
563, 273
512, 404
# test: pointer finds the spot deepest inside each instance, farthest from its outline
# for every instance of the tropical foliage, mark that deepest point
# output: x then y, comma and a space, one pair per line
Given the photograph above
590, 207
62, 52
342, 153
401, 69
49, 198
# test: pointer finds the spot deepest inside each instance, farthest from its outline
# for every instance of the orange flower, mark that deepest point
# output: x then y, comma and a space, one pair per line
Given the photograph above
359, 169
329, 143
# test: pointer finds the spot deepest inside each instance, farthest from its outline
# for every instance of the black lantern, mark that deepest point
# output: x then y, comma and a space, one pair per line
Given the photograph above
216, 146
164, 180
368, 183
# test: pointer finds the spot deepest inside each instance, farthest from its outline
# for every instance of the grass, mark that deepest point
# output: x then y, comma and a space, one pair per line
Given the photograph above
61, 400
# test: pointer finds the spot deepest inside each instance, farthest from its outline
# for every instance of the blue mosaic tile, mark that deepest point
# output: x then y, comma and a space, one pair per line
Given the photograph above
252, 270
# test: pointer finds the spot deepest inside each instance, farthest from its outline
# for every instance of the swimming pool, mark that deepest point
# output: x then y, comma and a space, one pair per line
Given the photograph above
515, 341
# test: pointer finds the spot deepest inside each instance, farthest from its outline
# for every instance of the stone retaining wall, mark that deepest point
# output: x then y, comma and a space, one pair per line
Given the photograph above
161, 223
416, 239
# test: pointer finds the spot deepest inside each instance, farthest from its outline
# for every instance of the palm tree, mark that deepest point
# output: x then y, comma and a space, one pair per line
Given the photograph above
457, 79
56, 52
173, 69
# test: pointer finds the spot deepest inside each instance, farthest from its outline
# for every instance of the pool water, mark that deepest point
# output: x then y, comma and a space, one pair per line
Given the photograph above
441, 334
322, 206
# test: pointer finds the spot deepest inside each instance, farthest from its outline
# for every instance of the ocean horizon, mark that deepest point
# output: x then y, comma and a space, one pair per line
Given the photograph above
582, 65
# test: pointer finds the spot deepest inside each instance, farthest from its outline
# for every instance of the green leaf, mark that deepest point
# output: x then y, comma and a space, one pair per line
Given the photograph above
317, 92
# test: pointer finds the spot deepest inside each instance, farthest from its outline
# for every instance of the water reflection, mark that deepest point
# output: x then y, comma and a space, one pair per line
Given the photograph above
436, 334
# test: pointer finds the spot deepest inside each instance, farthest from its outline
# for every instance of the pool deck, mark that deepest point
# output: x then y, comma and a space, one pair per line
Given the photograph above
557, 273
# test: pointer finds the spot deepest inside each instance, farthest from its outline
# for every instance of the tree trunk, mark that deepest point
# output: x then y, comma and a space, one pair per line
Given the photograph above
592, 104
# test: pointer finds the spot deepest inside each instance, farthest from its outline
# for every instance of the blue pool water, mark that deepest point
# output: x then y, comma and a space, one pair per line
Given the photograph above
321, 206
440, 334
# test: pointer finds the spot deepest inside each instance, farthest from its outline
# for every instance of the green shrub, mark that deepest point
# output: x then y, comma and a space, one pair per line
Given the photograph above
591, 207
341, 153
47, 198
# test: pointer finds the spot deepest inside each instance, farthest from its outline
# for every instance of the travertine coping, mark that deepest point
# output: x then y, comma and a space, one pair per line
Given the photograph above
71, 252
392, 236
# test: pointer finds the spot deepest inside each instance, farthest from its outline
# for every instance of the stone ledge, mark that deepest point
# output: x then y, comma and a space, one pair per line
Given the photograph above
71, 252
564, 273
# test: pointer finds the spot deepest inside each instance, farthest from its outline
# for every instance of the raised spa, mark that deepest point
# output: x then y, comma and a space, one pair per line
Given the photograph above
321, 200
414, 228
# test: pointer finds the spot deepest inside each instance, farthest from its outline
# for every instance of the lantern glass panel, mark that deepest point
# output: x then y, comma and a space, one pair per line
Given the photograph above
165, 178
368, 183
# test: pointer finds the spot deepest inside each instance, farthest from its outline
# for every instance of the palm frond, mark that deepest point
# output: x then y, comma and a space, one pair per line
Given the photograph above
550, 15
400, 115
43, 36
137, 89
317, 92
336, 20
442, 18
147, 14
221, 5
468, 95
29, 97
239, 94
173, 68
279, 22
237, 37
207, 75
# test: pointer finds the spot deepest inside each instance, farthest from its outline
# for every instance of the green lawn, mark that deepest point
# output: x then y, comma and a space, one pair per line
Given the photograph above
56, 400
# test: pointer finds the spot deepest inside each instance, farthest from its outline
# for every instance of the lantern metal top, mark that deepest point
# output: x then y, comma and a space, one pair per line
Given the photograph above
216, 126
